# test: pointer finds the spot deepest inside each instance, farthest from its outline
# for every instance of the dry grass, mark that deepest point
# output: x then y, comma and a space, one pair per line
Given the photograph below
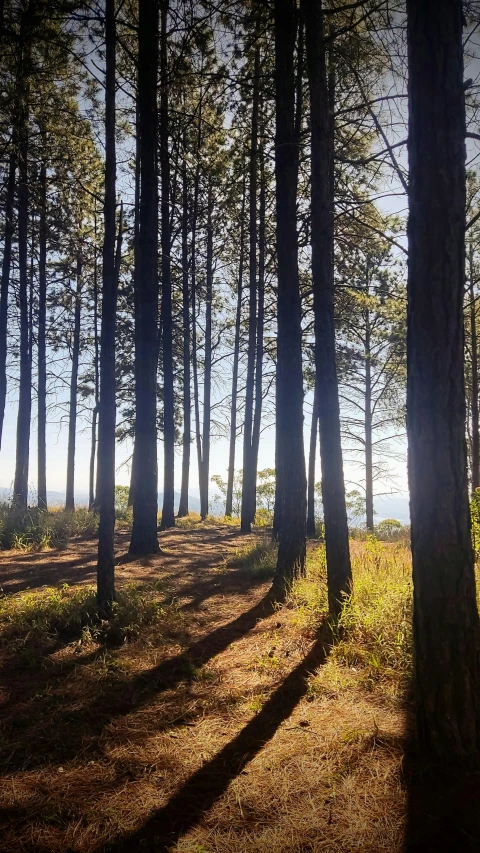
214, 725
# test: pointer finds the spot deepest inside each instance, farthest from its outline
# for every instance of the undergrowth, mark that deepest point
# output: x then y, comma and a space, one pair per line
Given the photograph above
375, 643
32, 622
258, 560
29, 528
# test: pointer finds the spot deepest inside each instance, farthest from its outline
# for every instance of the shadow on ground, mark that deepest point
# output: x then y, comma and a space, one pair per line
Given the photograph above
187, 806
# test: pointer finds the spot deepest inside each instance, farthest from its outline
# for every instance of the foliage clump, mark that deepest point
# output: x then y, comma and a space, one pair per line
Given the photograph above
30, 528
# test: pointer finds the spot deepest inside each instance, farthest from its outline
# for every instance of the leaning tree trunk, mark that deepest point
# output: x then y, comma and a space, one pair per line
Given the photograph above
236, 355
249, 474
445, 615
292, 533
41, 344
145, 505
168, 511
20, 486
6, 265
322, 212
72, 416
474, 392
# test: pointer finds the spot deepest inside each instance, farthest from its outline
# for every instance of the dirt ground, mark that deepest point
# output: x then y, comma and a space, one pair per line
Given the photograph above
205, 736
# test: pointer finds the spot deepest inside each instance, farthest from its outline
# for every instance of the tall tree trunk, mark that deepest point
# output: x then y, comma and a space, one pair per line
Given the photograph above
257, 416
20, 486
292, 533
236, 355
445, 615
136, 259
322, 213
41, 345
168, 512
6, 265
368, 428
145, 506
249, 473
187, 404
311, 469
92, 500
111, 270
207, 378
475, 390
72, 417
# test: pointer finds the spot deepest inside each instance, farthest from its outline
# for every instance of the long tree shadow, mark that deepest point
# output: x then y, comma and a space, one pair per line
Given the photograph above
187, 806
63, 732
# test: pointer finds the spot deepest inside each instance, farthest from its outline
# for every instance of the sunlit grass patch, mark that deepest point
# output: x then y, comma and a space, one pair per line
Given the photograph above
257, 560
30, 528
32, 622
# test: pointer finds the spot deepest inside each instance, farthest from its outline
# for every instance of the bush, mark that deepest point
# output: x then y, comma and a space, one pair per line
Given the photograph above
31, 528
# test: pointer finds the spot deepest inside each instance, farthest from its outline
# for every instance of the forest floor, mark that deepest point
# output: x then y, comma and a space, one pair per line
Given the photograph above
204, 718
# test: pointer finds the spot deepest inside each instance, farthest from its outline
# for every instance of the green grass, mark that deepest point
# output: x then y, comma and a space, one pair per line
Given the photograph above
257, 560
32, 622
28, 529
375, 640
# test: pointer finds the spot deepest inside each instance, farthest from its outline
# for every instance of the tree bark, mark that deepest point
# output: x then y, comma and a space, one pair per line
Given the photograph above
20, 486
92, 499
111, 270
204, 471
292, 533
474, 394
322, 213
368, 428
136, 259
41, 344
187, 403
236, 355
72, 416
257, 415
168, 512
6, 265
445, 615
311, 469
145, 506
249, 474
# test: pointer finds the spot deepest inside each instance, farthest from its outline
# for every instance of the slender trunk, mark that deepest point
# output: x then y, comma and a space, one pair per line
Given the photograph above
168, 512
145, 506
368, 428
249, 474
236, 354
6, 265
136, 258
207, 380
196, 397
111, 271
72, 417
92, 500
292, 533
322, 212
20, 487
257, 417
187, 405
445, 615
311, 469
41, 345
474, 395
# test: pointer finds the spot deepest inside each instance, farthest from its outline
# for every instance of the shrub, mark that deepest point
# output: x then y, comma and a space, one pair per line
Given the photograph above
31, 528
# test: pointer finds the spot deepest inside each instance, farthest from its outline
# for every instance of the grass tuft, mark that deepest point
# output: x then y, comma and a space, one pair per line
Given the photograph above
28, 529
258, 560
